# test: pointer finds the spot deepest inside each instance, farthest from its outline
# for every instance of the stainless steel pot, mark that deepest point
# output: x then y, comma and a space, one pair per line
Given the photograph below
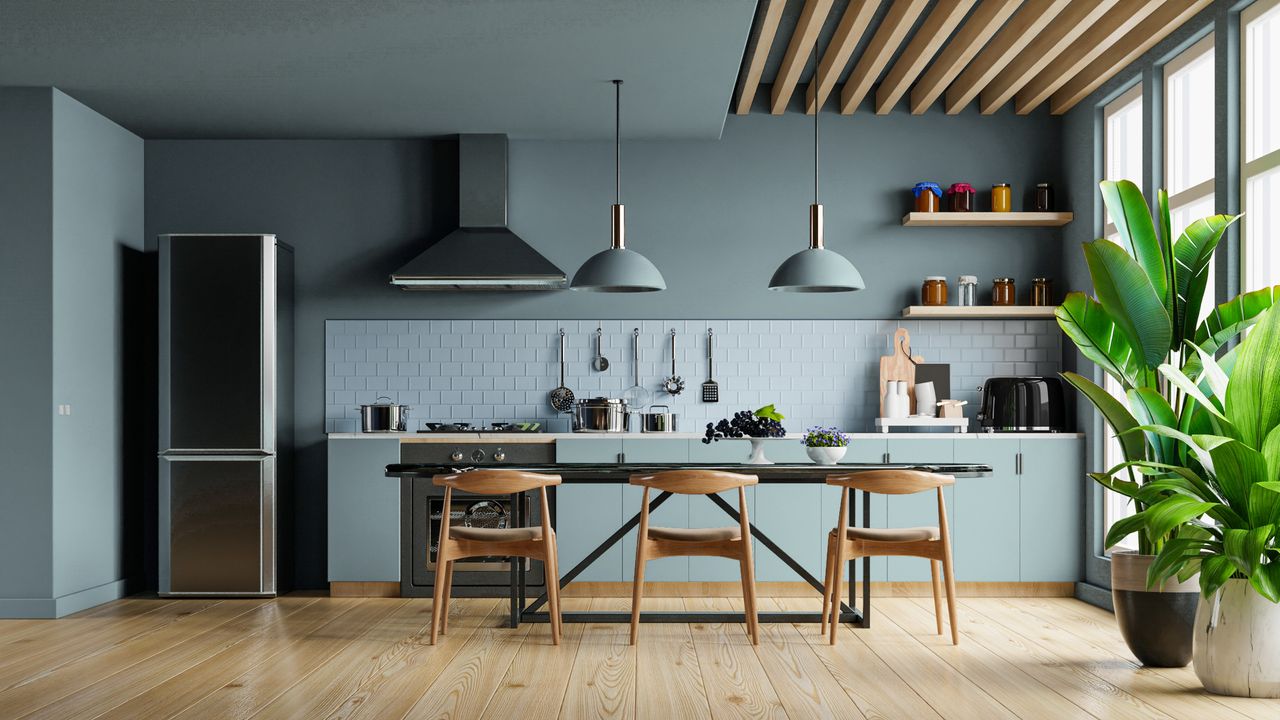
383, 416
600, 415
659, 422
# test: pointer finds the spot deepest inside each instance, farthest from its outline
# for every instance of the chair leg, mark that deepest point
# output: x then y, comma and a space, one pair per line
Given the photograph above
750, 613
637, 590
553, 590
437, 600
951, 595
937, 593
837, 578
826, 584
448, 595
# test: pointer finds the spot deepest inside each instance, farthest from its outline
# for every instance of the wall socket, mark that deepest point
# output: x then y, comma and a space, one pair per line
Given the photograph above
64, 409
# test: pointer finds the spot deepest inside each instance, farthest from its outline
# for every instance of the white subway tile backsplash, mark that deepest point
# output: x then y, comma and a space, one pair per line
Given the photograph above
818, 372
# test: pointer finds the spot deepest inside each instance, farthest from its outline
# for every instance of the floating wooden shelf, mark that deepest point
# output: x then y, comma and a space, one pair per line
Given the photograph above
978, 312
987, 219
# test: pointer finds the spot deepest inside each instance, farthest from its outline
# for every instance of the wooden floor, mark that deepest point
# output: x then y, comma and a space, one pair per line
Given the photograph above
321, 657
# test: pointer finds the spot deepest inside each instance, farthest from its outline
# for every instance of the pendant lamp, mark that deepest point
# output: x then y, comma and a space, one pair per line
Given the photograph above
618, 269
816, 269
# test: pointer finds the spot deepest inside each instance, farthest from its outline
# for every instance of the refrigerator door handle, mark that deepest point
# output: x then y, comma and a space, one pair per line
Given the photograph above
188, 454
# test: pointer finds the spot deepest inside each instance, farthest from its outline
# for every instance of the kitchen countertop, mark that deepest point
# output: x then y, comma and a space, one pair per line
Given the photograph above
552, 437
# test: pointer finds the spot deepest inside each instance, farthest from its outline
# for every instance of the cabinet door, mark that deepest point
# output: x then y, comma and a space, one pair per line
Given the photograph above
985, 542
588, 450
705, 514
720, 451
674, 512
364, 510
1052, 501
587, 514
860, 451
655, 450
919, 509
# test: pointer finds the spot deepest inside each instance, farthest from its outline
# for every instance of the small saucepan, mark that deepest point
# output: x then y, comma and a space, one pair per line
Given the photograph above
652, 421
381, 417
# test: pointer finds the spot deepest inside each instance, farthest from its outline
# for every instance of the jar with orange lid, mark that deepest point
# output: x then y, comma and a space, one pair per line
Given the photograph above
934, 291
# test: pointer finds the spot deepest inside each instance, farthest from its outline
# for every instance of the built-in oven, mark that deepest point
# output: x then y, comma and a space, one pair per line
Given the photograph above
422, 509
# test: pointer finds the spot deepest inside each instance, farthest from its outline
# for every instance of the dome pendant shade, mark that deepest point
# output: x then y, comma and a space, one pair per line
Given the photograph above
816, 269
618, 269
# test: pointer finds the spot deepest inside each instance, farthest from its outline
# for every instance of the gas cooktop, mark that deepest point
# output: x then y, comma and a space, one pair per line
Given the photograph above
493, 427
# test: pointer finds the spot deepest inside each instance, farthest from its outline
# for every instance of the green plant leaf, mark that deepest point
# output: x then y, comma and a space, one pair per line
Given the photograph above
769, 412
1266, 580
1127, 488
1244, 547
1171, 512
1117, 416
1271, 453
1132, 218
1150, 408
1098, 338
1192, 390
1129, 297
1193, 256
1232, 317
1211, 373
1170, 262
1253, 396
1175, 554
1123, 528
1264, 503
1214, 571
1237, 468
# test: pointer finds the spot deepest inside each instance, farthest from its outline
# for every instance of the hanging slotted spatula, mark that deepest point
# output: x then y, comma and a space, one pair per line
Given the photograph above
710, 390
562, 397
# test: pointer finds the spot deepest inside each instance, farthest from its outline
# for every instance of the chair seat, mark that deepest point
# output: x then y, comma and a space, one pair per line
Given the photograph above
695, 534
495, 534
892, 534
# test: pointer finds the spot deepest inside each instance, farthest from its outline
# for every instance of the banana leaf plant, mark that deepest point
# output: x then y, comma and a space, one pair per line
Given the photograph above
1221, 510
1149, 289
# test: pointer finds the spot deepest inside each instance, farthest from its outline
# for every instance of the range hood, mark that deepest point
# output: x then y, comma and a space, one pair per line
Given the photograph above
482, 254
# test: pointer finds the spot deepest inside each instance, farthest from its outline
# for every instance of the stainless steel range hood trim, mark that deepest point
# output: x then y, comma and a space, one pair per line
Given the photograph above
482, 254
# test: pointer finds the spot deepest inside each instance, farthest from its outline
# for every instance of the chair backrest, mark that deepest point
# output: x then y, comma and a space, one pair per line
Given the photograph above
694, 482
891, 482
495, 482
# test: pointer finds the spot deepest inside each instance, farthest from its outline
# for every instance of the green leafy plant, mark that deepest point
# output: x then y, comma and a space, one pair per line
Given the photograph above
1149, 289
1221, 508
818, 436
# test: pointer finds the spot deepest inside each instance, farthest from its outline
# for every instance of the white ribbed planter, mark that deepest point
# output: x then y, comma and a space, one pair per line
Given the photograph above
1237, 643
825, 455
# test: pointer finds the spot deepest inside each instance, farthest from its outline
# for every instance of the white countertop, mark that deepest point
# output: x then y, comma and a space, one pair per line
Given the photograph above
792, 437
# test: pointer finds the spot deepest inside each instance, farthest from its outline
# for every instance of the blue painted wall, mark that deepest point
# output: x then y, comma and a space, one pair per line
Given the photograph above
716, 217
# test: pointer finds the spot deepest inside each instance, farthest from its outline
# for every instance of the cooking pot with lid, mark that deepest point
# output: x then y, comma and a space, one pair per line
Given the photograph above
652, 421
600, 415
381, 417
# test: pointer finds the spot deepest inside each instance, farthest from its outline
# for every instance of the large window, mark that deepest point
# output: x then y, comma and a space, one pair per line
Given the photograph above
1189, 142
1122, 140
1260, 116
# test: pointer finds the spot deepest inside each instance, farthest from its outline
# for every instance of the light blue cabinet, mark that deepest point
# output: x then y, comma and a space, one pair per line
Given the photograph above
1051, 508
585, 516
589, 450
919, 509
985, 539
364, 511
789, 513
655, 450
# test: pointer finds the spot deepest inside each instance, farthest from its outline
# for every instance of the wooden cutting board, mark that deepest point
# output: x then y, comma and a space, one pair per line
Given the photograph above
898, 366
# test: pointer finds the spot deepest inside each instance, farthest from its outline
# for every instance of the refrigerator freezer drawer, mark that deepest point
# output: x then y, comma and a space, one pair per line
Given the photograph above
217, 525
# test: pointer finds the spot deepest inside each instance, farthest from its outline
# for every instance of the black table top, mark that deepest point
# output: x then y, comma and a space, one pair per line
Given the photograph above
615, 472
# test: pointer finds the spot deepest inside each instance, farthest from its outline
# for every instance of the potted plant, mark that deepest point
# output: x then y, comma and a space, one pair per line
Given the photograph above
1221, 507
825, 446
1149, 287
763, 423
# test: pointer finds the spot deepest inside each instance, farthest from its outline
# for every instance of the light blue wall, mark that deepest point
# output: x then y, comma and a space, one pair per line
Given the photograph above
26, 313
97, 225
716, 217
71, 196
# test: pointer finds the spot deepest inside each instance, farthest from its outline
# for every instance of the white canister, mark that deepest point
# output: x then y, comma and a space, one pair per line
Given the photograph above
891, 399
926, 400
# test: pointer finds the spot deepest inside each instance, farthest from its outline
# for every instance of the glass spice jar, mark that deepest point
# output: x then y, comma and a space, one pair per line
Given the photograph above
961, 197
1044, 197
928, 195
1003, 291
1041, 291
1001, 197
934, 291
967, 291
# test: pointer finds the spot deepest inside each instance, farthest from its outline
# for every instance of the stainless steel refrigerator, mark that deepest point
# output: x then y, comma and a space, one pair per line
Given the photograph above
225, 422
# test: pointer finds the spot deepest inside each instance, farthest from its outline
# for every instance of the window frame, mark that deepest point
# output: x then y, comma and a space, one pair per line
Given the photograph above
1111, 108
1205, 188
1267, 162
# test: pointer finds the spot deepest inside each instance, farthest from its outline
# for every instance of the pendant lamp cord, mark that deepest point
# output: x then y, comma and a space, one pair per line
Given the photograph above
817, 92
617, 142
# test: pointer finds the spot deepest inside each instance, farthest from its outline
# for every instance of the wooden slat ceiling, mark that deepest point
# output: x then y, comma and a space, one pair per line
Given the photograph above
995, 52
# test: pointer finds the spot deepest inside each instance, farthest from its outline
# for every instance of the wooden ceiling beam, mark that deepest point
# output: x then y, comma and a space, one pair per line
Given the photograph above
759, 54
853, 24
893, 29
1096, 40
1021, 29
975, 33
937, 27
1045, 49
1129, 48
811, 19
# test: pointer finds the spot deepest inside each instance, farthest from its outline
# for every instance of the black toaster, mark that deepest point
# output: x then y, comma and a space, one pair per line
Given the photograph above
1022, 404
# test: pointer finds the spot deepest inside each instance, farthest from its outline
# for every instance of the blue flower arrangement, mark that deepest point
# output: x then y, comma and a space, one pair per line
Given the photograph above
818, 436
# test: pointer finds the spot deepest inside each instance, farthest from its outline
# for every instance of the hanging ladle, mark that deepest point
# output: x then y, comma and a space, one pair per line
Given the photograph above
674, 385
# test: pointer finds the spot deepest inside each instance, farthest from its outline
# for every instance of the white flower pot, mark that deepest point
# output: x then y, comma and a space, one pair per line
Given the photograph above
1237, 642
825, 455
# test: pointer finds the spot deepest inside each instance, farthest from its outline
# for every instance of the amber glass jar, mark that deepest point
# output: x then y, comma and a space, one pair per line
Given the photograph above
1001, 197
1003, 292
934, 290
960, 197
1044, 197
1041, 292
928, 196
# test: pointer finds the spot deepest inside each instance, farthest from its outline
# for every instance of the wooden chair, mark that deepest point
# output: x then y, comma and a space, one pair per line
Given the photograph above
727, 542
463, 542
848, 543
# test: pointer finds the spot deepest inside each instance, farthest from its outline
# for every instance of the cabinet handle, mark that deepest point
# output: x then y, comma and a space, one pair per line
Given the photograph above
887, 458
1019, 470
622, 458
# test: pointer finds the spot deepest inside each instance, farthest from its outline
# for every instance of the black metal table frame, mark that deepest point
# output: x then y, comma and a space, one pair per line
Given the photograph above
523, 611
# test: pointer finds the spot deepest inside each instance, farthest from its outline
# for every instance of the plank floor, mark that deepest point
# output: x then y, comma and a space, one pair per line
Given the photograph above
319, 657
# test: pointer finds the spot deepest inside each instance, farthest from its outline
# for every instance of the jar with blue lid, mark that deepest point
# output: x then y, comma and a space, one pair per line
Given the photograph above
928, 196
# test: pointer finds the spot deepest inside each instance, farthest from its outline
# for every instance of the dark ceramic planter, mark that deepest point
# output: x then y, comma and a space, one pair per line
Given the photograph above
1157, 624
